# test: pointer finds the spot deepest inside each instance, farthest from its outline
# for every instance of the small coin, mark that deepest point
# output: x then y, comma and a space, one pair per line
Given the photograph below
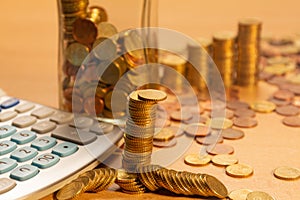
287, 173
224, 160
293, 121
279, 102
216, 149
259, 195
210, 139
165, 144
288, 110
197, 159
216, 187
106, 29
84, 31
69, 191
164, 134
245, 122
284, 95
177, 130
232, 134
263, 106
244, 112
240, 194
152, 95
76, 53
219, 123
236, 104
239, 170
197, 129
180, 116
220, 113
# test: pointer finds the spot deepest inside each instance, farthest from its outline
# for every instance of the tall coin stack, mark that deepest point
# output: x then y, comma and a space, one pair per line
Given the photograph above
224, 55
249, 31
198, 56
140, 128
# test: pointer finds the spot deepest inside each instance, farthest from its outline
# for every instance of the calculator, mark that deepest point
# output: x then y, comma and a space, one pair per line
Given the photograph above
43, 148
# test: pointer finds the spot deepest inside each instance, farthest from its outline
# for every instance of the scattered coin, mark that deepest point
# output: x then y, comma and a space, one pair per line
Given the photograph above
165, 144
288, 110
70, 191
152, 95
240, 194
219, 123
287, 173
293, 121
197, 129
216, 149
221, 113
239, 170
197, 159
284, 95
232, 134
164, 134
224, 160
245, 122
180, 116
244, 112
210, 139
259, 195
236, 104
263, 106
278, 102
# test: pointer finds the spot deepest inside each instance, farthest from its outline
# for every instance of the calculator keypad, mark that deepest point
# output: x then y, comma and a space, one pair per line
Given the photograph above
6, 131
6, 185
45, 160
24, 121
23, 154
23, 137
5, 116
65, 149
24, 172
7, 147
43, 127
44, 143
7, 164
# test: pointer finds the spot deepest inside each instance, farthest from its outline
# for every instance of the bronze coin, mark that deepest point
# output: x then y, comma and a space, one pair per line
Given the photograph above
210, 139
84, 31
245, 122
236, 104
265, 76
293, 121
221, 113
166, 144
232, 134
279, 102
162, 123
296, 101
197, 129
295, 89
288, 110
277, 80
283, 95
180, 116
244, 112
216, 149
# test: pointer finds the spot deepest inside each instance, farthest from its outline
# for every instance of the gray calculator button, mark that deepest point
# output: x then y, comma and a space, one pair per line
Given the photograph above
24, 121
102, 128
81, 122
70, 134
61, 117
6, 185
42, 112
43, 127
7, 115
24, 107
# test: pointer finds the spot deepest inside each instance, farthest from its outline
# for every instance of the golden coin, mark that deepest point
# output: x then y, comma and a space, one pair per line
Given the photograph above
97, 14
124, 176
232, 134
197, 129
224, 160
219, 123
105, 49
152, 95
86, 182
287, 173
240, 194
164, 134
197, 159
84, 31
219, 149
263, 106
239, 170
106, 30
217, 188
70, 191
76, 53
259, 195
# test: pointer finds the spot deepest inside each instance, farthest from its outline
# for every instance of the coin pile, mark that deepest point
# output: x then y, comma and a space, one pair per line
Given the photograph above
140, 127
224, 55
248, 43
129, 182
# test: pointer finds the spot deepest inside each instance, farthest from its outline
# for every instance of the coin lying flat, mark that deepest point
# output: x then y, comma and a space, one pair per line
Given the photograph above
165, 144
236, 104
219, 149
219, 123
263, 106
244, 112
239, 170
287, 173
259, 195
152, 95
164, 134
293, 121
240, 194
210, 139
232, 134
288, 110
197, 159
197, 129
245, 122
180, 116
224, 160
284, 95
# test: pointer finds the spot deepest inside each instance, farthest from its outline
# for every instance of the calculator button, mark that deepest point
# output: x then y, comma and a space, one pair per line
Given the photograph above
6, 185
45, 160
23, 154
7, 164
7, 147
24, 172
43, 127
10, 103
61, 117
102, 128
24, 121
81, 122
24, 107
65, 149
5, 116
23, 137
44, 143
70, 134
6, 131
42, 112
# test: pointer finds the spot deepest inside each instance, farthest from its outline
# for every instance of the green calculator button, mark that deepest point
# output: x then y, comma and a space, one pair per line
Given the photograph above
65, 149
23, 154
23, 137
45, 160
24, 172
7, 147
7, 164
6, 131
44, 143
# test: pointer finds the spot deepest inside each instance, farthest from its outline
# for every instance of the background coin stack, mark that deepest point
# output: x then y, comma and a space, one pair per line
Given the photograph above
199, 54
224, 55
248, 41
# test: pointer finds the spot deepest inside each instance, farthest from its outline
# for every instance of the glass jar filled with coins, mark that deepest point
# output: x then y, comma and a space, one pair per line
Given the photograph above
96, 42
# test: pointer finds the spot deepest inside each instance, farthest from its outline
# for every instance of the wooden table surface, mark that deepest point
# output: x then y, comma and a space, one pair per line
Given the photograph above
28, 56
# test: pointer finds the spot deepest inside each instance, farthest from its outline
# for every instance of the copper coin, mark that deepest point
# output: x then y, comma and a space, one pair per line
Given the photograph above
245, 122
279, 102
210, 139
232, 134
288, 110
293, 121
162, 123
296, 101
221, 113
180, 116
197, 129
166, 144
244, 112
295, 89
265, 76
283, 95
277, 80
236, 104
194, 109
219, 149
84, 31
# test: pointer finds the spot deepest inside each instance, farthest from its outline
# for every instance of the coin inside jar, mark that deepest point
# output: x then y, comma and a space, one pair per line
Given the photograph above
76, 53
104, 49
84, 31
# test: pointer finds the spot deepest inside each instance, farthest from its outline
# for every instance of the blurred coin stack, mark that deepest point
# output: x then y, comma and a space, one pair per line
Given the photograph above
199, 63
249, 32
224, 55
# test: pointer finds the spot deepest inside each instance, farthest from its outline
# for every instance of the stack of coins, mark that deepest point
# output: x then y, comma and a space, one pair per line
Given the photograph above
129, 182
198, 55
140, 127
224, 55
249, 31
